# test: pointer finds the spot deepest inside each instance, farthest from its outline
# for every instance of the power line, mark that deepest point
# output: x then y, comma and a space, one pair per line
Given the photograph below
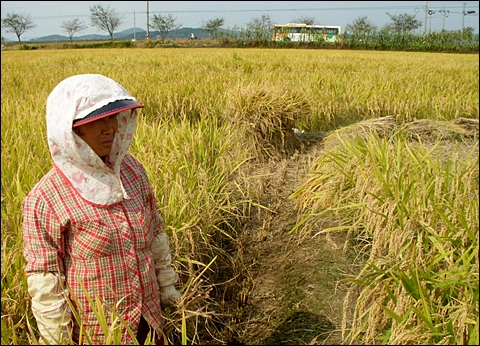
368, 8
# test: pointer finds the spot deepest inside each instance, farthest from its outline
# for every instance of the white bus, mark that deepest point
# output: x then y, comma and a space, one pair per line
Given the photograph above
298, 32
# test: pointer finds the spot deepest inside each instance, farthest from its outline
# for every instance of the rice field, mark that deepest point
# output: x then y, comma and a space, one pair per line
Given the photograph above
410, 210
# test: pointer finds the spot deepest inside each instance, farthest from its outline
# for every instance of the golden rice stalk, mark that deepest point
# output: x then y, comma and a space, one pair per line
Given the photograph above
267, 116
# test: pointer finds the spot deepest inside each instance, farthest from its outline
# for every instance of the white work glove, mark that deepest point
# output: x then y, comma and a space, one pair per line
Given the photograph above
50, 308
169, 295
166, 275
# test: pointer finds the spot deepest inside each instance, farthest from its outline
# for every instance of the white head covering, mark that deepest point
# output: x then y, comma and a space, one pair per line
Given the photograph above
75, 98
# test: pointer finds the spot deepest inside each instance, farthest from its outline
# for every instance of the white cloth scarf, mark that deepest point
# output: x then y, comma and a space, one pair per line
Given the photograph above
74, 98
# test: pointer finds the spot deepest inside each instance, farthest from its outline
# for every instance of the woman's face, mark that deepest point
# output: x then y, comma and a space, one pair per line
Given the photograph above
99, 134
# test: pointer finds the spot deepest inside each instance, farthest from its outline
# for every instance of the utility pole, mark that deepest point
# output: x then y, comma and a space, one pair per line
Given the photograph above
445, 15
148, 25
134, 28
464, 13
425, 19
430, 13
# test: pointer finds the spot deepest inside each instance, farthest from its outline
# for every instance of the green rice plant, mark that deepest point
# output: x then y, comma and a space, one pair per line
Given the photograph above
413, 211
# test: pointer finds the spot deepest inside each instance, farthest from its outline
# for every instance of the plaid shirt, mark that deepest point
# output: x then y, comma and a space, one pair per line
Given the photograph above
105, 250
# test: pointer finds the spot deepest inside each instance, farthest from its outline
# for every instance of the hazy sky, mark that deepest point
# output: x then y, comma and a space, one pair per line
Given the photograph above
49, 15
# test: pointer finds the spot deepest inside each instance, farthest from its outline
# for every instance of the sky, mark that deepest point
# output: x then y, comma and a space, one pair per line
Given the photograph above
48, 16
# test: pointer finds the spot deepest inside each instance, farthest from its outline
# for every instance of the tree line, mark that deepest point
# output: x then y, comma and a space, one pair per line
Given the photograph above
107, 19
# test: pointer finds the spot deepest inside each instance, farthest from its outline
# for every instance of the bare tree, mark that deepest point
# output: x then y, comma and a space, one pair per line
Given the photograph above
72, 27
261, 27
17, 24
262, 23
164, 24
305, 20
211, 26
361, 26
105, 18
403, 23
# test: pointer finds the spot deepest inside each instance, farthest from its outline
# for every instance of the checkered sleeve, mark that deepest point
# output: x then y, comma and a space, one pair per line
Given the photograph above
42, 237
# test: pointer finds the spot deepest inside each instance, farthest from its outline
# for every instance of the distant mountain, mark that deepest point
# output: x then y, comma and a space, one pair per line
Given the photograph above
128, 34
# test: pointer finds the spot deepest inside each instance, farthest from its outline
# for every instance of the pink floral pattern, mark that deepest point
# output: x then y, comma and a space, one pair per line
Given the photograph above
78, 177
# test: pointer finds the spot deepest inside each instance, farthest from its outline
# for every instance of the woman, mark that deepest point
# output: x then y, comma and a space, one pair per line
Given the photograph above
91, 227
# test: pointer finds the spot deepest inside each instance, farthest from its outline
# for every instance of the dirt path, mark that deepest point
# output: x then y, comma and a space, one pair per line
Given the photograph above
292, 289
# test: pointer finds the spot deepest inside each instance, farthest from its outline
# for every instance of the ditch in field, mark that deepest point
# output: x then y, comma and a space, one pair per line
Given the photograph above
291, 292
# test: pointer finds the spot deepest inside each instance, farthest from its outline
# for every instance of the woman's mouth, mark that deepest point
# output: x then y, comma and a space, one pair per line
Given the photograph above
108, 142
